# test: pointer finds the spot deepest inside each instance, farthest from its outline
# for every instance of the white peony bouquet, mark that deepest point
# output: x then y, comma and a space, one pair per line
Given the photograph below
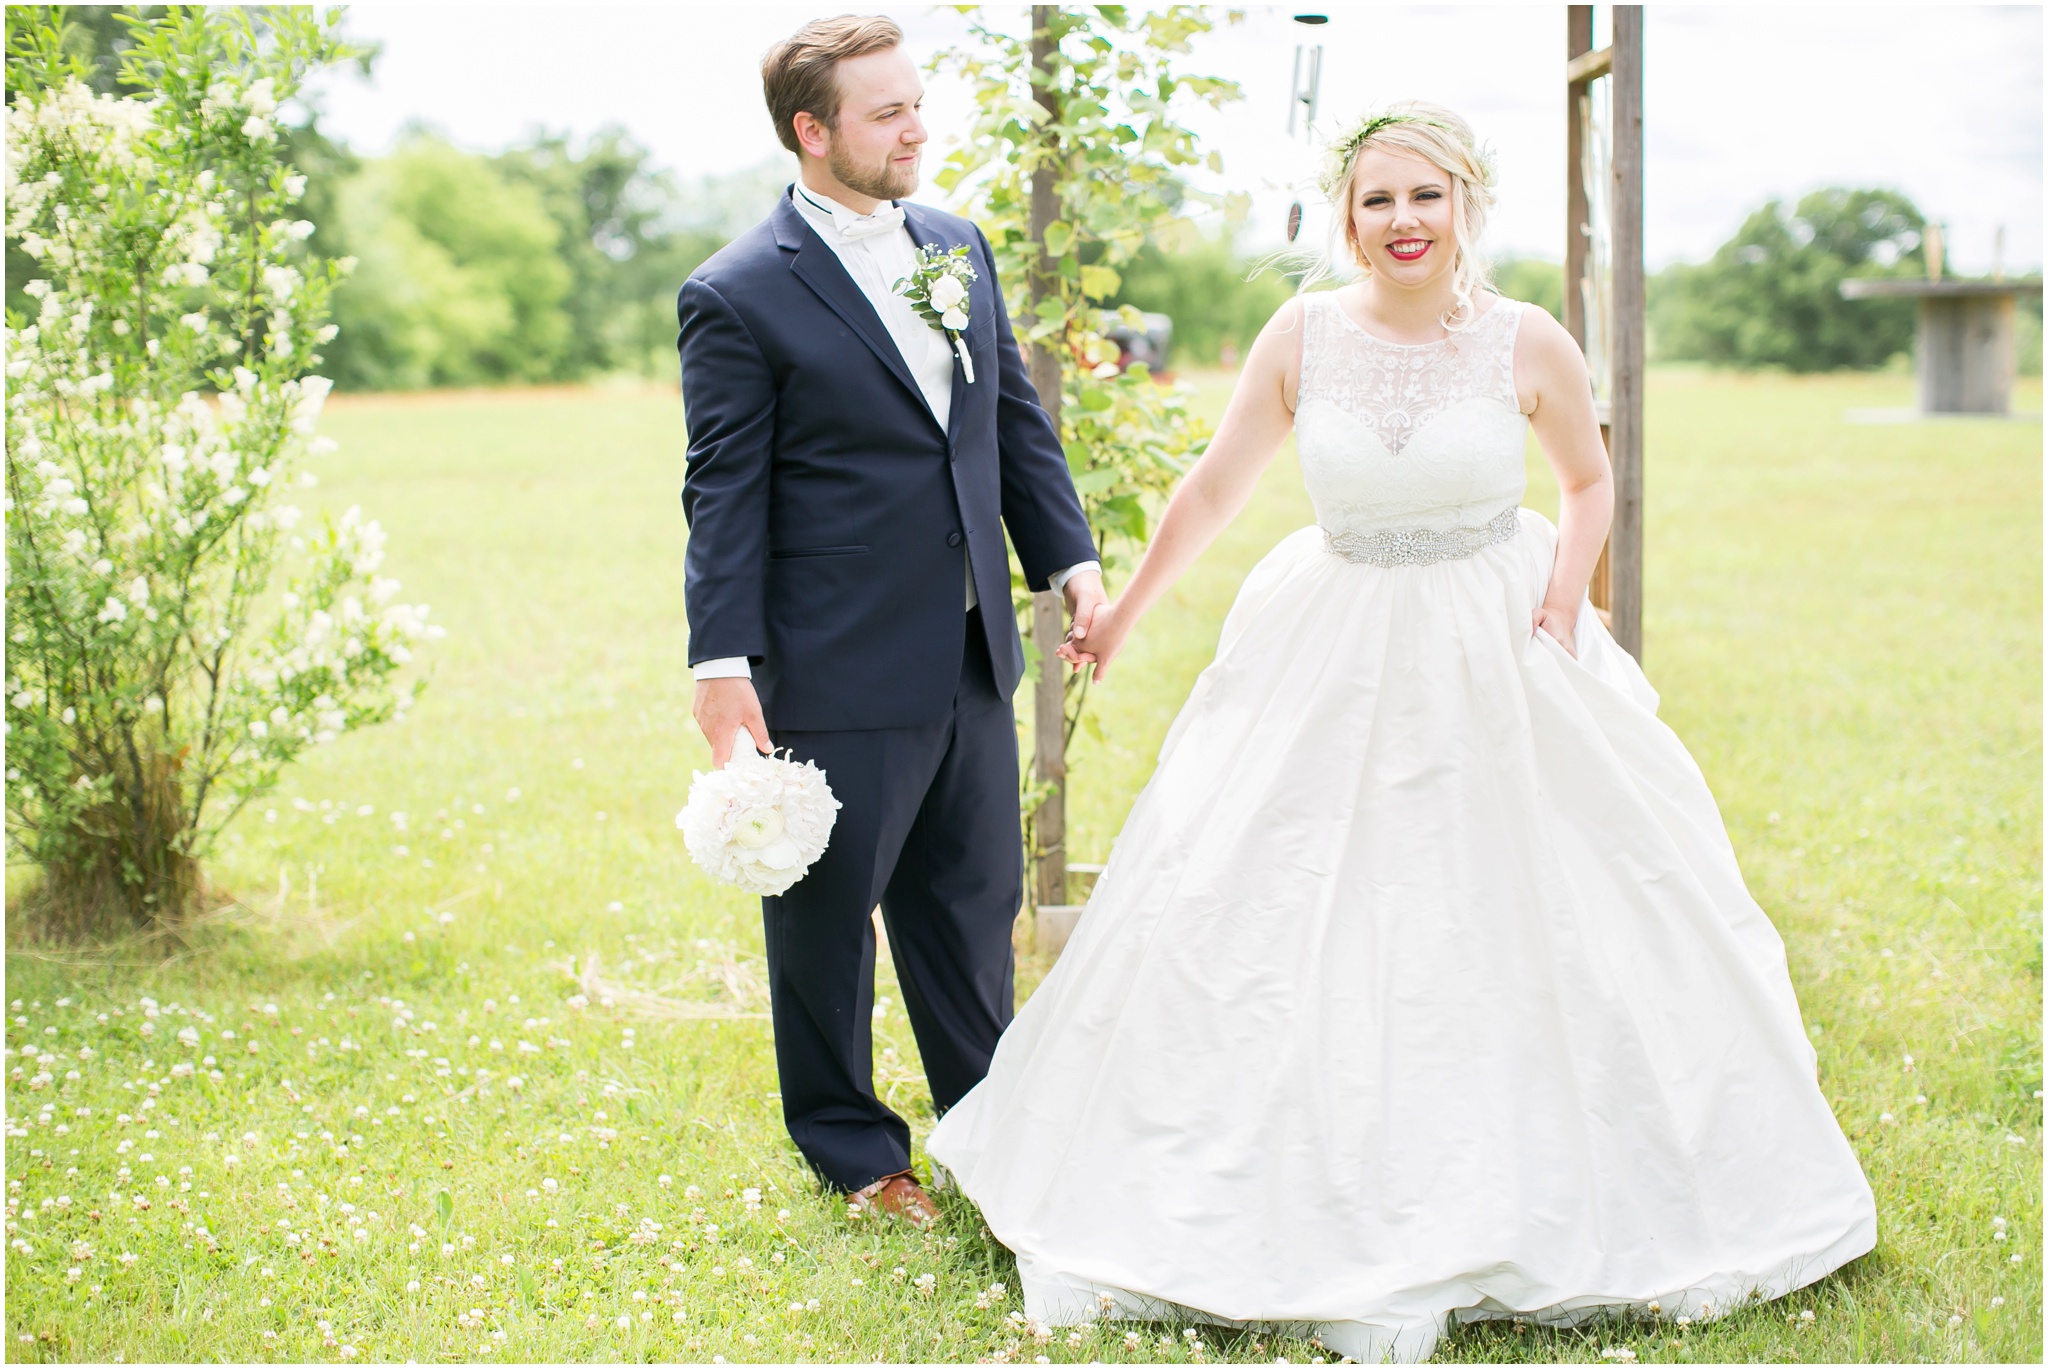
760, 823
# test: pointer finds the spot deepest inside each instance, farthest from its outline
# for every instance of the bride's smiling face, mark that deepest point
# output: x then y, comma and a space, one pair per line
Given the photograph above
1402, 218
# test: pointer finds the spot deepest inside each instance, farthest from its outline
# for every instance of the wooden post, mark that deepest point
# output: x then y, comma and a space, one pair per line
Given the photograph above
1625, 543
1578, 232
1577, 227
1049, 712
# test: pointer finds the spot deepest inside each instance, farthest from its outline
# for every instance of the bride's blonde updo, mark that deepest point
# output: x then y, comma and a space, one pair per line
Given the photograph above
1445, 141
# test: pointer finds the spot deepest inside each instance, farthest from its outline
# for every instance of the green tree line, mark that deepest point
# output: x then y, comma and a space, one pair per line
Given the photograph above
558, 260
1770, 297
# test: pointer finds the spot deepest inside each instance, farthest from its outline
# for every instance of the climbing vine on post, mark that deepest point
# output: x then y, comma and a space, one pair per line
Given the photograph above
1076, 158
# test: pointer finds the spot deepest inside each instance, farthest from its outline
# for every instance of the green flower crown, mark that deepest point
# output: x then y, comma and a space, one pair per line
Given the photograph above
1346, 146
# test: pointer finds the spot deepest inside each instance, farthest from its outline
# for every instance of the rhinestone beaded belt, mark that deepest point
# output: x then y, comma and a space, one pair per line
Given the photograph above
1423, 546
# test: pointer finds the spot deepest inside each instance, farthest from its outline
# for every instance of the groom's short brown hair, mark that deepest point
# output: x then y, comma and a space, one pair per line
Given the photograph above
799, 73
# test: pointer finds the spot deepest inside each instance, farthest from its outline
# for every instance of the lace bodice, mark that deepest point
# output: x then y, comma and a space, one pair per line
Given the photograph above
1394, 438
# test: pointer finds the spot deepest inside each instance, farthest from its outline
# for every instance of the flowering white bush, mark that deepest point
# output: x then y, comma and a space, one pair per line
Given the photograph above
761, 822
159, 406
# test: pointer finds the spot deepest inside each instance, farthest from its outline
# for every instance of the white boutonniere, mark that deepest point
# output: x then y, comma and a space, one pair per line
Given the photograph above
937, 289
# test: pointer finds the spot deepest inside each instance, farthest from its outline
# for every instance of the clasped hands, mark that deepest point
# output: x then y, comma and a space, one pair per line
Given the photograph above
724, 707
1099, 626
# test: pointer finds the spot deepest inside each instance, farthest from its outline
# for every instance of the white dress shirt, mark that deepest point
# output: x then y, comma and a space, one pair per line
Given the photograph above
877, 251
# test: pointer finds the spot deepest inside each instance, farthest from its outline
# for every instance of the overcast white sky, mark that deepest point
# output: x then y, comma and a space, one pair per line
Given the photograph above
1742, 103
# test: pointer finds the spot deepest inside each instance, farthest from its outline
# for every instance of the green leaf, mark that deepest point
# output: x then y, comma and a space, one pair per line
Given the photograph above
1099, 282
1059, 238
444, 1207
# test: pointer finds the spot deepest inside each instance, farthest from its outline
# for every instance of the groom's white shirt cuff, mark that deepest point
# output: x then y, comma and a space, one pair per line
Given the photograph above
724, 668
1058, 579
736, 667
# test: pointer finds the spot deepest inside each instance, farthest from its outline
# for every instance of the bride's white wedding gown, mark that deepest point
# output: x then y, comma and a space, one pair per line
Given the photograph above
1422, 983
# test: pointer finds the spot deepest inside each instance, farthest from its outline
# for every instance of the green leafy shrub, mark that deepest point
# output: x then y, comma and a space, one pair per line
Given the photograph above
160, 403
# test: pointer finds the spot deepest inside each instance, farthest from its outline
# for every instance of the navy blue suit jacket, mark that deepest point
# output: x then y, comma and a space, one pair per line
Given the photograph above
829, 512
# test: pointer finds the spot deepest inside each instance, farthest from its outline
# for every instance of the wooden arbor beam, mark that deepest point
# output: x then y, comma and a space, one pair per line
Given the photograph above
1582, 66
1617, 588
1577, 214
1625, 541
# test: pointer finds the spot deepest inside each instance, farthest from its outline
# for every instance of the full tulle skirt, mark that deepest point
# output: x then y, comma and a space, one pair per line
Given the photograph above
1422, 985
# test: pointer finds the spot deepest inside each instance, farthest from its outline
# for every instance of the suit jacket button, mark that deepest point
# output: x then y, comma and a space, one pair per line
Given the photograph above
952, 539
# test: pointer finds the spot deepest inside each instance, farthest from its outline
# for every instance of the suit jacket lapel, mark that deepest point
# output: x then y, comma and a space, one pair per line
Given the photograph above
928, 235
818, 266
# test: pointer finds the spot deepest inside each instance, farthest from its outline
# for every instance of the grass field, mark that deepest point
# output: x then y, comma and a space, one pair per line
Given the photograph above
475, 1067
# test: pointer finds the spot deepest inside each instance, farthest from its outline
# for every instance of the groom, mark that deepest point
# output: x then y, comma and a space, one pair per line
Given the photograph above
850, 480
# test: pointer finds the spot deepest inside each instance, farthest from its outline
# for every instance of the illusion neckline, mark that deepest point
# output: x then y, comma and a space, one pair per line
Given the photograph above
1364, 332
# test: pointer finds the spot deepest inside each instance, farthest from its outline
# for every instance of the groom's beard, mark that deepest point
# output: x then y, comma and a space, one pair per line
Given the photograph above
878, 183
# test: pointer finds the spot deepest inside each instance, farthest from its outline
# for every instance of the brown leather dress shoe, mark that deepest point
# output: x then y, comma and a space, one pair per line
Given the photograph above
897, 1195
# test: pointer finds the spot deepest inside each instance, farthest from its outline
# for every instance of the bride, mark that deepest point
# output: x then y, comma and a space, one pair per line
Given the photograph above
1422, 983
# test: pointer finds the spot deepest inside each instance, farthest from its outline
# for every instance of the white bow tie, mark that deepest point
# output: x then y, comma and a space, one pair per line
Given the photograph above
854, 227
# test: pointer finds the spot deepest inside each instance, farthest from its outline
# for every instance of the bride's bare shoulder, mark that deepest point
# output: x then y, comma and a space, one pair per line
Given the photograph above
1286, 320
1275, 356
1541, 338
1279, 342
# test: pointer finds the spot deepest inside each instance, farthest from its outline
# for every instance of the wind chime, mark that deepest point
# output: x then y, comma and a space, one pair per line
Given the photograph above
1305, 93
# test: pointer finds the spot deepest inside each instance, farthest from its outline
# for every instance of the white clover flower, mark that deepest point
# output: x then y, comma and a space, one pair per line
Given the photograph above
759, 823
